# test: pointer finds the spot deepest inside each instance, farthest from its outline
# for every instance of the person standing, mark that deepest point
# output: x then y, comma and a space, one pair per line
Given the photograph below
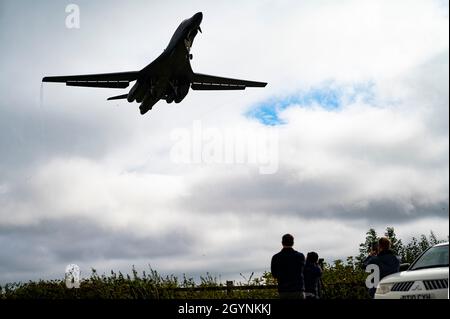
287, 268
372, 253
312, 275
386, 260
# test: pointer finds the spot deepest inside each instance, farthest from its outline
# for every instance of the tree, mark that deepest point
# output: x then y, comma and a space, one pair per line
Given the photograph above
408, 253
433, 239
364, 248
412, 251
396, 244
424, 244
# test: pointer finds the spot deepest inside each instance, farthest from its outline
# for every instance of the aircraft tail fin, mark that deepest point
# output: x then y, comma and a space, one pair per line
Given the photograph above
117, 97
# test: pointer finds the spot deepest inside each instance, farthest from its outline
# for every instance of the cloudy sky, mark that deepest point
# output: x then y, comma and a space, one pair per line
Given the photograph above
351, 132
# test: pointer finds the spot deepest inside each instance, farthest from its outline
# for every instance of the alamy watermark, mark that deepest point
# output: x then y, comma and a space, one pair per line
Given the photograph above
373, 279
73, 276
73, 18
210, 145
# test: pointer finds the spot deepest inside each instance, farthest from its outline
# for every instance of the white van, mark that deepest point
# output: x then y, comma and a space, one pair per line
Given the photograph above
426, 278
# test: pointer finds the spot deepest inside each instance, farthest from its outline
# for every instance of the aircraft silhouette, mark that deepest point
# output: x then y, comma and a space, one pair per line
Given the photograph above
168, 77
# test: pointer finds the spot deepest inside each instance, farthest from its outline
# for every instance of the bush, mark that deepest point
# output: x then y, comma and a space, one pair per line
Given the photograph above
341, 281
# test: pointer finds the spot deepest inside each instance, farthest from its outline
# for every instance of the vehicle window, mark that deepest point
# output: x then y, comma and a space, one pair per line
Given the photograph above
434, 257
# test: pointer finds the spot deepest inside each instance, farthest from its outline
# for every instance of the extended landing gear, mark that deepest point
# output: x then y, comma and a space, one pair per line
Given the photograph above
144, 109
169, 99
176, 99
147, 104
176, 92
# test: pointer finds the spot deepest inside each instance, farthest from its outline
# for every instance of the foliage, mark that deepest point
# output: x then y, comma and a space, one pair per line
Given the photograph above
396, 244
407, 253
364, 248
341, 280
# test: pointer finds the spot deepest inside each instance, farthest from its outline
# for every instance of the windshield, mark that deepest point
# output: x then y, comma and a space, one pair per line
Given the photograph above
433, 257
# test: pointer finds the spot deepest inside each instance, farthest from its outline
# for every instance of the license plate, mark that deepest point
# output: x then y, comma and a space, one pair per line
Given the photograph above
418, 296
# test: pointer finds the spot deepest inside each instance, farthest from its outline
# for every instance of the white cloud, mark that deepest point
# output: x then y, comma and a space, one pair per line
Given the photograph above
341, 172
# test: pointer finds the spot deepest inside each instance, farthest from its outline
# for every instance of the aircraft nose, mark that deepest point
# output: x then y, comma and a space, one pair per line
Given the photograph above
198, 17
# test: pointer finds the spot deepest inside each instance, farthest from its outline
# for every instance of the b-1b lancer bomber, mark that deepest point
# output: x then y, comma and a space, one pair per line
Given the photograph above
168, 77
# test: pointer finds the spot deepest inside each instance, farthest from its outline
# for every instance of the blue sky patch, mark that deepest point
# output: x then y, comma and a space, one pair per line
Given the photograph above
328, 96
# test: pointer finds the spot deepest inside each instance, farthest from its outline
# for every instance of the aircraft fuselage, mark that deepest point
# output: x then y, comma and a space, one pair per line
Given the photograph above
169, 76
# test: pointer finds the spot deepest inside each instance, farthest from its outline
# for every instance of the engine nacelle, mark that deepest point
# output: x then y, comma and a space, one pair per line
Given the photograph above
181, 92
132, 94
147, 103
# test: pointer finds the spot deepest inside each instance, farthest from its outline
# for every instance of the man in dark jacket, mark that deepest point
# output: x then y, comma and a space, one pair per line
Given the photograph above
287, 268
386, 260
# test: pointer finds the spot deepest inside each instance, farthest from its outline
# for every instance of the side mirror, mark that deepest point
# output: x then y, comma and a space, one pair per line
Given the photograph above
404, 266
